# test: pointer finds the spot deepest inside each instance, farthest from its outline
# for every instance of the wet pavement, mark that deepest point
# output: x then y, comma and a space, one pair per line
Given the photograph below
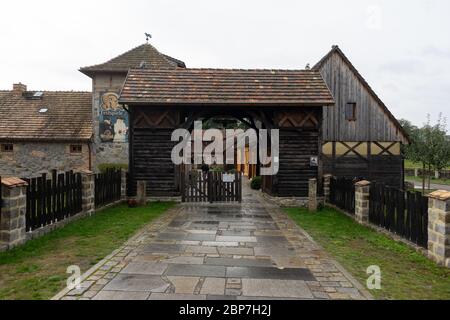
219, 251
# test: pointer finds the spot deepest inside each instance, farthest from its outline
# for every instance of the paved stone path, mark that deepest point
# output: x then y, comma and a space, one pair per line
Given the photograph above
219, 251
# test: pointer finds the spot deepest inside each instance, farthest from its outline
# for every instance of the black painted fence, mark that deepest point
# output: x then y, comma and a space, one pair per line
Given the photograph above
342, 194
52, 200
401, 212
107, 187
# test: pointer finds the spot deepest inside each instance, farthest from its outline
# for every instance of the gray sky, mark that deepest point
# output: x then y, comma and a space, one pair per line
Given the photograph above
401, 47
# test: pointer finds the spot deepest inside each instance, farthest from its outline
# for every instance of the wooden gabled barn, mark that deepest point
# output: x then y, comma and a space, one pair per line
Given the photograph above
361, 137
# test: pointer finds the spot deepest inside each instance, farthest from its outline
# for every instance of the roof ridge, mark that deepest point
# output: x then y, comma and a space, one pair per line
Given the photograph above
130, 59
52, 91
227, 69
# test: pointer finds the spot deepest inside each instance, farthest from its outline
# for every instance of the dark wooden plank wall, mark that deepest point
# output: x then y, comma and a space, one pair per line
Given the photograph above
297, 146
372, 123
151, 154
387, 169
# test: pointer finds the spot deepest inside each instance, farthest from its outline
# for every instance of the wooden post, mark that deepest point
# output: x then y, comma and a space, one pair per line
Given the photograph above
141, 195
312, 203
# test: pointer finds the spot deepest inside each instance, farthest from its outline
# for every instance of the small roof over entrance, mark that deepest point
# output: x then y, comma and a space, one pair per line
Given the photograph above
226, 87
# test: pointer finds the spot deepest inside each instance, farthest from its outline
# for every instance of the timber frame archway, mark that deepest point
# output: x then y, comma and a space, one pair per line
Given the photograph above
160, 101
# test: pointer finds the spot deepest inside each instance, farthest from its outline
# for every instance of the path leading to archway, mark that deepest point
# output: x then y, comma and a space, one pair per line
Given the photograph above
219, 251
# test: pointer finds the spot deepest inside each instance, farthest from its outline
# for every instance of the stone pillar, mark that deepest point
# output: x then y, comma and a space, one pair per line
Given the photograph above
416, 172
362, 192
141, 194
439, 227
123, 184
437, 174
88, 191
12, 220
312, 201
326, 186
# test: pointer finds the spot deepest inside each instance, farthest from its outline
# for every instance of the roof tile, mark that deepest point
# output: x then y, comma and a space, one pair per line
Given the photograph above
69, 116
226, 86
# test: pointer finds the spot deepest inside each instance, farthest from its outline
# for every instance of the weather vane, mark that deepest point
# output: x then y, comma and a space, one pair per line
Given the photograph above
148, 36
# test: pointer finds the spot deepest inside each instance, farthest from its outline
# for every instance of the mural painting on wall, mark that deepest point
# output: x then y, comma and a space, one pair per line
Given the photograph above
113, 119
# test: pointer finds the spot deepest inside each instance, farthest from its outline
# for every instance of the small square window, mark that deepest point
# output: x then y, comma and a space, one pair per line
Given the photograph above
76, 148
350, 111
7, 147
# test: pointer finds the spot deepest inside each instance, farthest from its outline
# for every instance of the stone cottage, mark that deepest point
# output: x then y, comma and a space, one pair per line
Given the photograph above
44, 130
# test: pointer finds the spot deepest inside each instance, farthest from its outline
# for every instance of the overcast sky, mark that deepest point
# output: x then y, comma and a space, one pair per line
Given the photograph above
402, 48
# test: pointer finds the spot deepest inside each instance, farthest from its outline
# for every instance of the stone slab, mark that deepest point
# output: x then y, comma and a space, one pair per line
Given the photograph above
184, 285
270, 273
213, 286
137, 283
276, 288
235, 239
163, 248
175, 297
148, 268
229, 262
195, 270
184, 260
236, 251
121, 295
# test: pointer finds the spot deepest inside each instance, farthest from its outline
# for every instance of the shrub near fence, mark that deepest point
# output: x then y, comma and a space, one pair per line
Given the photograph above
400, 212
52, 200
342, 194
108, 187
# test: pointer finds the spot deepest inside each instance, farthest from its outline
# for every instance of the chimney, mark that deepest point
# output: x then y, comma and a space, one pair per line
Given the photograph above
19, 89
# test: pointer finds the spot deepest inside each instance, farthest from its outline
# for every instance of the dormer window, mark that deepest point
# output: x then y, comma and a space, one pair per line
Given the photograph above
350, 111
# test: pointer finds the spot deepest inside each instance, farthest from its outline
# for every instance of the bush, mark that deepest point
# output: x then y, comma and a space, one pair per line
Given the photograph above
103, 167
232, 171
256, 183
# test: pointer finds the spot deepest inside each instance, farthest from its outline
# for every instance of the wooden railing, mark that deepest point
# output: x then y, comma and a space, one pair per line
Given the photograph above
52, 200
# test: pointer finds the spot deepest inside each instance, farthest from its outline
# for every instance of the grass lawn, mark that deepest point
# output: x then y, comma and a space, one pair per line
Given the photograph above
433, 180
37, 270
406, 274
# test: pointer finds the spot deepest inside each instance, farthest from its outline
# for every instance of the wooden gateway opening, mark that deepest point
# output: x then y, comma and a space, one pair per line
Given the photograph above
160, 101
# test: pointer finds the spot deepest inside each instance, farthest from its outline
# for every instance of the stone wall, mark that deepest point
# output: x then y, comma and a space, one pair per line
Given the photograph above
32, 159
106, 152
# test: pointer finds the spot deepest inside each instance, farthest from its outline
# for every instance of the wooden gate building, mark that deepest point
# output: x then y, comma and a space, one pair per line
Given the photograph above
160, 101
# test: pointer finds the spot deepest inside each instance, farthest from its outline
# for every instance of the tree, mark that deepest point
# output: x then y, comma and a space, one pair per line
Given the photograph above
429, 146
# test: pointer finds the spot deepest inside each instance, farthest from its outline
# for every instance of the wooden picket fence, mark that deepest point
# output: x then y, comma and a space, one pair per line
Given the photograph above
342, 194
401, 212
52, 200
108, 187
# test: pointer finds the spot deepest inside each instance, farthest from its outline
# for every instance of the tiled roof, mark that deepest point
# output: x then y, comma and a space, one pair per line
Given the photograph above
226, 86
145, 56
69, 116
